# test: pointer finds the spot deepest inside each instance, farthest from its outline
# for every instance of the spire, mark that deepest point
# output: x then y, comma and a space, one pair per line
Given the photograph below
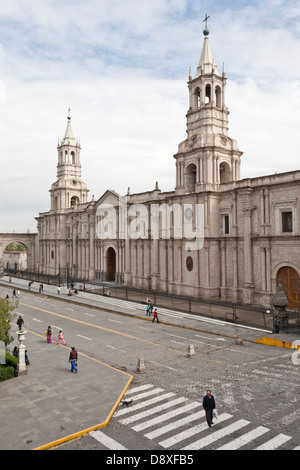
69, 136
207, 63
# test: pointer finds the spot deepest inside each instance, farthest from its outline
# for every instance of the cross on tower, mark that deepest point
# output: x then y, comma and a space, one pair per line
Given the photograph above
205, 19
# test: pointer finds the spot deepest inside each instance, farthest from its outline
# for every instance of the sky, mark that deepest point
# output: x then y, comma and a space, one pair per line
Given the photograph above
122, 67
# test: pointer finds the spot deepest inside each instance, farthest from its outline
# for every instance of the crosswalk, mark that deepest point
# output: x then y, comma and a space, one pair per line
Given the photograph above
177, 423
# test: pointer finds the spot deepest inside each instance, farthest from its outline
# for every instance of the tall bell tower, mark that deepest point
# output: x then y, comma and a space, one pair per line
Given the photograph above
208, 157
69, 190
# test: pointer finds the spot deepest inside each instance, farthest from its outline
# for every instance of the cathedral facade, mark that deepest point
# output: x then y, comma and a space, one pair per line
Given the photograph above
214, 237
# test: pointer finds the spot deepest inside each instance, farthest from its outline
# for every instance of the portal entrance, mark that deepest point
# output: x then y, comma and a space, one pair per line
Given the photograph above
291, 285
111, 265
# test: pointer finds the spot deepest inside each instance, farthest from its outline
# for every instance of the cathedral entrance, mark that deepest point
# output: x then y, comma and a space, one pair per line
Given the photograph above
111, 265
291, 286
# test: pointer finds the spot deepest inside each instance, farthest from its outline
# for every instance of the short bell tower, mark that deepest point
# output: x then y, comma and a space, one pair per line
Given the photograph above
69, 190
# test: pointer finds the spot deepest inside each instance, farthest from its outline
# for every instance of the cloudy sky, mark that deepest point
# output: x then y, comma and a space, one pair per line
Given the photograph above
122, 68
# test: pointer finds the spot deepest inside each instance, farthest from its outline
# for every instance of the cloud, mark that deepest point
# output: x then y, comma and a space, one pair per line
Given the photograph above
122, 67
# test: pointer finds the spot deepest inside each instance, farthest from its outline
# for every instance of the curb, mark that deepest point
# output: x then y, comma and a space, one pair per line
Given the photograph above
276, 342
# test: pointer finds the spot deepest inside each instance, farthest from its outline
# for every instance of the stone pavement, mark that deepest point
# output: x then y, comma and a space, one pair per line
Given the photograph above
50, 403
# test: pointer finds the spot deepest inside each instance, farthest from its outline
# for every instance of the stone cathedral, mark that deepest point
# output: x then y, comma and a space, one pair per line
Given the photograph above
214, 237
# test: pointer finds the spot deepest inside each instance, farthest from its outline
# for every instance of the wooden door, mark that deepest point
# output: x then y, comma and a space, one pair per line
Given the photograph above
111, 265
291, 286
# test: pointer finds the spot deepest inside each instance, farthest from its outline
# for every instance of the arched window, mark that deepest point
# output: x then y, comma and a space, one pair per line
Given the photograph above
225, 172
190, 178
197, 103
218, 97
74, 201
207, 94
73, 158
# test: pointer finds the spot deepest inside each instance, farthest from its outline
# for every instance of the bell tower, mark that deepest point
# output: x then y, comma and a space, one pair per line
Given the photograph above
208, 157
69, 190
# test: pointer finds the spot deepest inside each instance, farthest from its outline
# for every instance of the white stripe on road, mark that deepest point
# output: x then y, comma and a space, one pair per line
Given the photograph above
117, 349
85, 337
176, 424
190, 432
115, 321
156, 409
107, 441
274, 443
71, 309
35, 319
164, 417
146, 394
145, 403
245, 439
89, 314
139, 389
205, 441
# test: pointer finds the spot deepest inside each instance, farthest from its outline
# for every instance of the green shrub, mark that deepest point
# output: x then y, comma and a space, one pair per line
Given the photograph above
6, 372
11, 360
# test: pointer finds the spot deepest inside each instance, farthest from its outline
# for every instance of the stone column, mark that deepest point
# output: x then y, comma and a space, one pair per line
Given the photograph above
21, 368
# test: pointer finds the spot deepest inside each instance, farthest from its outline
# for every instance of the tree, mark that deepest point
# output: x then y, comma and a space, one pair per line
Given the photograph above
6, 316
15, 247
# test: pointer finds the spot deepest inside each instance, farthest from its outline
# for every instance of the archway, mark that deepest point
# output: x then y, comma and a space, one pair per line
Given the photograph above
111, 265
190, 178
291, 285
15, 256
225, 173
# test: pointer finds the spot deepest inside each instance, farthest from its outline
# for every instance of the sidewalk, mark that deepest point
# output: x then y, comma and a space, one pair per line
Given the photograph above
50, 403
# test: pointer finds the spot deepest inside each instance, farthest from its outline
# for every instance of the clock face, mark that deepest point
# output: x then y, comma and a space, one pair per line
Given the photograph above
74, 182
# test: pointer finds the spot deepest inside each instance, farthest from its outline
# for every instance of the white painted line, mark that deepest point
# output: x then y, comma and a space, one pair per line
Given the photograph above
162, 365
164, 417
89, 314
274, 443
176, 336
176, 424
190, 432
107, 441
90, 339
115, 321
35, 319
117, 349
151, 411
145, 403
71, 309
177, 342
245, 439
139, 389
147, 394
205, 441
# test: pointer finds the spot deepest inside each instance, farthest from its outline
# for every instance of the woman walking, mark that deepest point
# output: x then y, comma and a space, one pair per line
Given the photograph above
60, 337
49, 335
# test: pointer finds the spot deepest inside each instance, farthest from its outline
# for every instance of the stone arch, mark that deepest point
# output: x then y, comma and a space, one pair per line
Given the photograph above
225, 172
190, 177
290, 280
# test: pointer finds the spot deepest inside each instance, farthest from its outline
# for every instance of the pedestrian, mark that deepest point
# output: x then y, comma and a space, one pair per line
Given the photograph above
16, 351
14, 294
151, 308
155, 316
49, 335
73, 360
26, 358
18, 294
60, 337
148, 310
20, 322
276, 324
58, 290
41, 288
209, 405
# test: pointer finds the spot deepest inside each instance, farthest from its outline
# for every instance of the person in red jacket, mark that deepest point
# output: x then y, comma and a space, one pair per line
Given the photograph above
73, 360
155, 316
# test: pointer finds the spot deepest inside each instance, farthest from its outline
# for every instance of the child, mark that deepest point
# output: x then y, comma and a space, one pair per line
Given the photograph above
60, 337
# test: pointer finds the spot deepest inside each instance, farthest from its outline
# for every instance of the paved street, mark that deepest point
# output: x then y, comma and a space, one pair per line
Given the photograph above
256, 386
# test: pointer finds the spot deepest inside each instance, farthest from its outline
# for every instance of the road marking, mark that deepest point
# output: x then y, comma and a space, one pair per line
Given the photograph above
139, 389
107, 441
115, 321
245, 439
112, 347
85, 337
205, 441
274, 443
162, 365
71, 309
35, 319
176, 424
156, 409
190, 432
89, 314
144, 404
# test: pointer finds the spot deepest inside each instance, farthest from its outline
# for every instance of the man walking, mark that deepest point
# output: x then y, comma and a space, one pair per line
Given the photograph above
73, 359
209, 405
20, 322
